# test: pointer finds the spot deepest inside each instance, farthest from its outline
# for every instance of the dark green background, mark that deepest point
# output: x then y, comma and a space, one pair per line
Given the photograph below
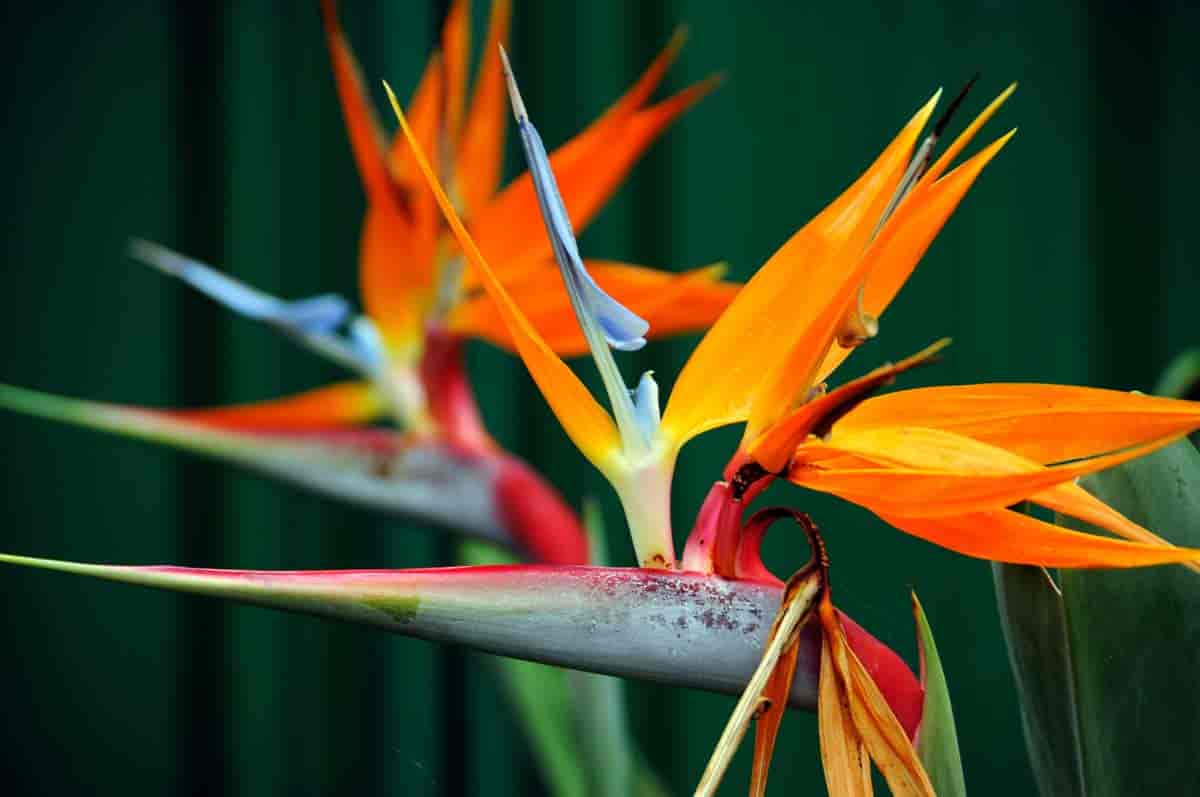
214, 129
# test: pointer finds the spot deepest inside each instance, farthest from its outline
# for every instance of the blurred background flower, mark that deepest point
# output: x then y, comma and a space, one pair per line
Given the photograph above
216, 127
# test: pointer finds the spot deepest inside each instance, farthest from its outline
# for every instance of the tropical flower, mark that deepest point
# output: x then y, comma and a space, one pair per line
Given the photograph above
630, 622
988, 445
422, 302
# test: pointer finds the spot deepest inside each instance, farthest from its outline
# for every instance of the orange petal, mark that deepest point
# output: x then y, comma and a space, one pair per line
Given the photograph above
873, 720
456, 50
672, 303
843, 755
1007, 536
639, 93
908, 236
964, 138
367, 141
916, 492
509, 229
1073, 500
733, 366
775, 447
480, 155
395, 276
939, 450
1043, 423
584, 420
343, 404
436, 109
426, 117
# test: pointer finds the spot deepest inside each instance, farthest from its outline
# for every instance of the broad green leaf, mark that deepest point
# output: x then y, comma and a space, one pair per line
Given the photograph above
1106, 668
1035, 629
937, 738
1135, 639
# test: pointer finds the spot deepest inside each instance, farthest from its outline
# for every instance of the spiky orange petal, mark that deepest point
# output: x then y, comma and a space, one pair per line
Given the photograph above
671, 303
456, 52
1008, 536
909, 235
480, 155
342, 404
937, 450
583, 419
367, 141
1043, 423
936, 493
725, 375
509, 228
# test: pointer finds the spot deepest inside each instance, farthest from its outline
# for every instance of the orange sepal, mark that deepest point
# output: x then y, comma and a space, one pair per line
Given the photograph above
456, 54
1043, 423
425, 111
937, 450
1007, 536
731, 368
480, 155
395, 276
915, 492
584, 420
1073, 500
671, 303
342, 404
907, 236
367, 141
509, 228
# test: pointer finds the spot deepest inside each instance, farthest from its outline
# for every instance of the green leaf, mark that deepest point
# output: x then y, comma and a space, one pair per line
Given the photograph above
1181, 379
541, 698
1107, 670
937, 739
1035, 629
1135, 637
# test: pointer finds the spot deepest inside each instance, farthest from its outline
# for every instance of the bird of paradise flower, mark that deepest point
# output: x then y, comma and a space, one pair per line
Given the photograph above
422, 303
836, 276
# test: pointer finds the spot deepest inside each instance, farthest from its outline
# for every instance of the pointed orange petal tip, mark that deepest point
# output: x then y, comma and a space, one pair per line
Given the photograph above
734, 376
1008, 536
964, 138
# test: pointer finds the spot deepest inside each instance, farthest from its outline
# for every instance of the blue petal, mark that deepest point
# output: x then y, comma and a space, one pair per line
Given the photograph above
622, 328
320, 315
367, 343
645, 406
